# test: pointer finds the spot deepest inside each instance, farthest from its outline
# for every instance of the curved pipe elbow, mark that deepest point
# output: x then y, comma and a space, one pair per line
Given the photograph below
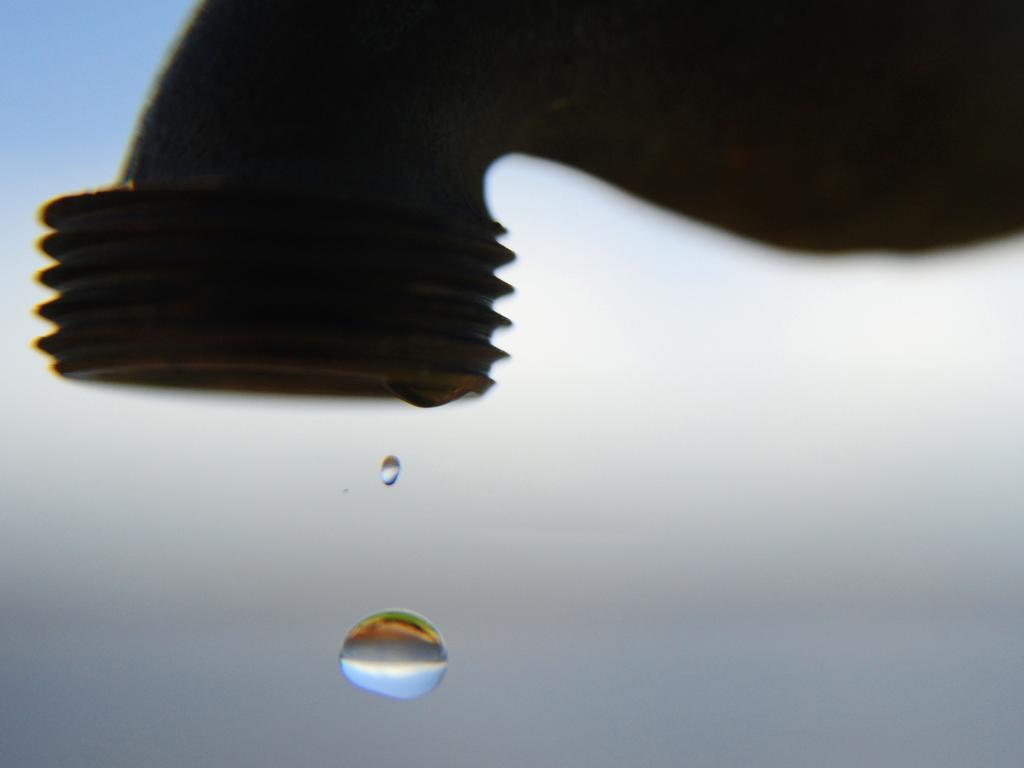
302, 210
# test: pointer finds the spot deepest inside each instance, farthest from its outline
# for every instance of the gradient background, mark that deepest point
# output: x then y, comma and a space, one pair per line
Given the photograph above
725, 507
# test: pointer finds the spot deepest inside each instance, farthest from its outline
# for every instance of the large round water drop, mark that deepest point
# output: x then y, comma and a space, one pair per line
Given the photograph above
398, 654
390, 469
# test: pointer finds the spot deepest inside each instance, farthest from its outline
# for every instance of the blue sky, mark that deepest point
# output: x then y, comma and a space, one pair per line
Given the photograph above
725, 505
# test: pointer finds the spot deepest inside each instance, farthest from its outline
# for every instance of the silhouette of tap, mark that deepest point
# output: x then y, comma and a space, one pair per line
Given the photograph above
302, 209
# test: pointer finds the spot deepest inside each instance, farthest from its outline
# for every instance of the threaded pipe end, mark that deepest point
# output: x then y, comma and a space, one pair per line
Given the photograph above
245, 291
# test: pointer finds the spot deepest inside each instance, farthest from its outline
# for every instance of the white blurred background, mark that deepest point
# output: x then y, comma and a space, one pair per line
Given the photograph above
726, 506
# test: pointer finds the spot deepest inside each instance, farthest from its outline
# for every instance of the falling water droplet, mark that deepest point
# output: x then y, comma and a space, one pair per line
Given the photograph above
389, 469
395, 653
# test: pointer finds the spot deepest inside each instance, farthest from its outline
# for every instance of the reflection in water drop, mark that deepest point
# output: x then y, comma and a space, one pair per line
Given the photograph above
398, 654
389, 469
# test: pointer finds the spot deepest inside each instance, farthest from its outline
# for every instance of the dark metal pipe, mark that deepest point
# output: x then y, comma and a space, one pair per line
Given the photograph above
302, 209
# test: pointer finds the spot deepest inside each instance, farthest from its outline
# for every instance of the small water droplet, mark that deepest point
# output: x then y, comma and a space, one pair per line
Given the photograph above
428, 397
390, 469
395, 653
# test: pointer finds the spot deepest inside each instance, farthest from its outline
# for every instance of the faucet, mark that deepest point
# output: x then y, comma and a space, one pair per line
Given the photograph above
302, 207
